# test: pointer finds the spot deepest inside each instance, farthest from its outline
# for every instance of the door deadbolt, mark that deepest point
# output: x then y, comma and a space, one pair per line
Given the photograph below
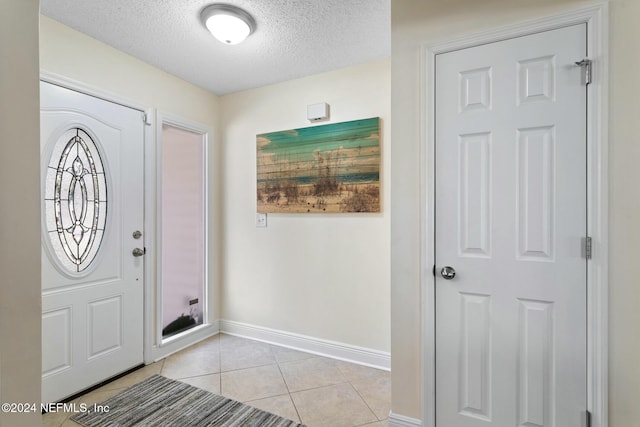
137, 234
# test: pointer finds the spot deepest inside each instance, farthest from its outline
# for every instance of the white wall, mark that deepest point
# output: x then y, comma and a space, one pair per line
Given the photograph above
20, 307
320, 275
418, 22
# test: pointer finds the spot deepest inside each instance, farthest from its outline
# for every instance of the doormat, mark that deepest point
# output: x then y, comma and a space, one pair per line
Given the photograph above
159, 401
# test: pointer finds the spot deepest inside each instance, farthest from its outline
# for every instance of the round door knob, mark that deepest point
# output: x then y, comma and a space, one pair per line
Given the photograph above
448, 273
138, 252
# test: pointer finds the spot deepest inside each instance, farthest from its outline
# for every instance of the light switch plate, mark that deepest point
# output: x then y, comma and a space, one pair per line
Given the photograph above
261, 220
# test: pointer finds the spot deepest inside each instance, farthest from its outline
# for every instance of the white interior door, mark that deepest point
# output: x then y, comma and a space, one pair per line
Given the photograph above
92, 284
510, 217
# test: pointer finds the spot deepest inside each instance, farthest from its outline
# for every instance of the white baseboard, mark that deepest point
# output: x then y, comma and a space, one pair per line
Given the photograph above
350, 353
396, 420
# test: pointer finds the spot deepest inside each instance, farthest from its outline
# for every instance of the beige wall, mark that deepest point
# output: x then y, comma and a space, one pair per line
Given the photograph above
320, 275
76, 56
418, 22
624, 211
20, 309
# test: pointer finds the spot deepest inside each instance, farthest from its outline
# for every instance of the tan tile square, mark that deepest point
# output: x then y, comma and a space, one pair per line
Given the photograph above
209, 345
228, 342
311, 373
279, 405
376, 392
333, 406
253, 383
284, 355
246, 354
355, 372
210, 383
186, 364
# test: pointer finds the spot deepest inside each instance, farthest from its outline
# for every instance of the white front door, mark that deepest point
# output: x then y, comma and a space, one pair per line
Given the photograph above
92, 202
510, 217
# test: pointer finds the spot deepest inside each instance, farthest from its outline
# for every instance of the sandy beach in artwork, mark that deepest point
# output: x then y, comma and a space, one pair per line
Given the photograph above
361, 197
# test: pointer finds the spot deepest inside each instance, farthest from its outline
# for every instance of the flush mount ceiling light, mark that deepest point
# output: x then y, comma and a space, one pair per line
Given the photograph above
228, 23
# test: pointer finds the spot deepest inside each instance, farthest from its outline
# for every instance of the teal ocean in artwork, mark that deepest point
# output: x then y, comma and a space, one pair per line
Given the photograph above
318, 162
303, 153
305, 141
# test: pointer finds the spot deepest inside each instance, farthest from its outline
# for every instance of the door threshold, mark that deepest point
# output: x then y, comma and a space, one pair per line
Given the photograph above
103, 383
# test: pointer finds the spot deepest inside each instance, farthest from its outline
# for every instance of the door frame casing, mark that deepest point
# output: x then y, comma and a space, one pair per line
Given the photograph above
160, 348
596, 17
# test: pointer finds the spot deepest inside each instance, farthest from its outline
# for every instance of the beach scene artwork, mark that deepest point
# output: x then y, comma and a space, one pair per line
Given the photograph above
321, 169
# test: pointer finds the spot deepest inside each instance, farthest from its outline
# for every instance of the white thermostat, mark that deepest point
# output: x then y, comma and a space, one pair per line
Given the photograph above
318, 112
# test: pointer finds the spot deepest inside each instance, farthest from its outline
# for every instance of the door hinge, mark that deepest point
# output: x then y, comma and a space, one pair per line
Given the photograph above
587, 246
588, 418
587, 70
145, 119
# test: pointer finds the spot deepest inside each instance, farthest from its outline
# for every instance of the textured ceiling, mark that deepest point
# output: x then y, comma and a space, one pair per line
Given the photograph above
293, 38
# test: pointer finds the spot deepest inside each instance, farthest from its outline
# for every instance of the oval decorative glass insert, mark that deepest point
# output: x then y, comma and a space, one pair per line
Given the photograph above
75, 200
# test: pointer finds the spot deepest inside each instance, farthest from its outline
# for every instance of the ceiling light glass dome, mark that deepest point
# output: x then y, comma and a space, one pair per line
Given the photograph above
229, 24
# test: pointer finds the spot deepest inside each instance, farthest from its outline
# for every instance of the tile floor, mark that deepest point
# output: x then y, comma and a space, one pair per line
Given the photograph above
303, 387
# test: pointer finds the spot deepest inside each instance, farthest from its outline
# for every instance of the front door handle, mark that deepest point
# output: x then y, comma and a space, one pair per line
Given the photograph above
138, 252
448, 273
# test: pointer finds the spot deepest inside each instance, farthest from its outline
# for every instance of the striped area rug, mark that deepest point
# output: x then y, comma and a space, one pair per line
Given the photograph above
159, 401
